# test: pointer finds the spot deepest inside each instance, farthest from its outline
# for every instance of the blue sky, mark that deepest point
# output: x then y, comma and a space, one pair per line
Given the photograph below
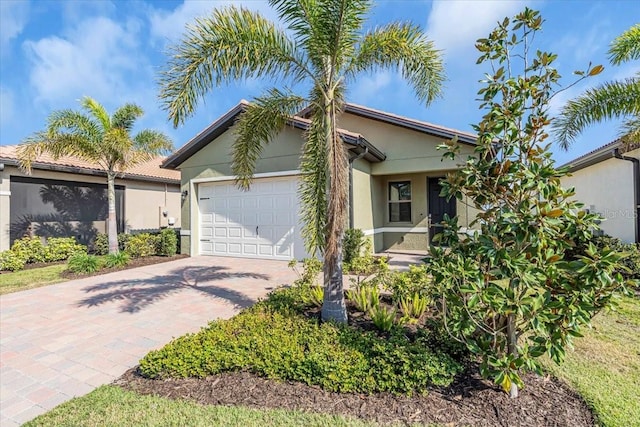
54, 52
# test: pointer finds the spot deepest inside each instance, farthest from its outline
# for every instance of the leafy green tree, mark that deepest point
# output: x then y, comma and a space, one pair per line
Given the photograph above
514, 291
97, 137
615, 99
324, 48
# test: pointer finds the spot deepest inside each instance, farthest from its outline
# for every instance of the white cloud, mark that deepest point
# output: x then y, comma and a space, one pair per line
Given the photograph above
13, 17
170, 25
456, 24
95, 59
368, 87
7, 106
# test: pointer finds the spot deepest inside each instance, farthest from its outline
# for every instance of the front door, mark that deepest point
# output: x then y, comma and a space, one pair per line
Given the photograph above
438, 206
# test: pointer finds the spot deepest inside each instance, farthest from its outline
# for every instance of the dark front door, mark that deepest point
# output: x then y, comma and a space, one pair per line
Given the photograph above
438, 206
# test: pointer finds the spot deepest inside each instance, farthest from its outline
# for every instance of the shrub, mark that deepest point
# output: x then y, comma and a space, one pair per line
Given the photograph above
630, 263
30, 249
142, 245
287, 346
168, 244
364, 297
352, 244
84, 263
314, 296
61, 248
101, 243
405, 284
121, 259
415, 306
308, 276
10, 261
383, 317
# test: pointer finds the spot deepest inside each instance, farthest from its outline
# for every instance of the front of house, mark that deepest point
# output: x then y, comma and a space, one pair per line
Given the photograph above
394, 198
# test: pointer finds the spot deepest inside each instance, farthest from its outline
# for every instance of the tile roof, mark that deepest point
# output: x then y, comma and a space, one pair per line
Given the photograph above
601, 153
147, 171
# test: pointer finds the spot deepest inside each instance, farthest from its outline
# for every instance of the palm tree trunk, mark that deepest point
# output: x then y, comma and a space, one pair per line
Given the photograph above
333, 307
112, 228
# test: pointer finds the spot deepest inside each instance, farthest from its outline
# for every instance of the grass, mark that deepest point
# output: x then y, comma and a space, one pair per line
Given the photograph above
113, 406
31, 278
605, 366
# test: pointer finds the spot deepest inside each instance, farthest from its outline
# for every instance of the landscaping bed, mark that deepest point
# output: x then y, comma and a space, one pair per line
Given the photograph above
469, 401
132, 263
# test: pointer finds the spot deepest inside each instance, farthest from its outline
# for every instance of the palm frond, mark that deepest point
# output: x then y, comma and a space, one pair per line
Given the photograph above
314, 168
98, 111
610, 100
233, 44
402, 46
630, 132
147, 145
262, 120
626, 46
125, 116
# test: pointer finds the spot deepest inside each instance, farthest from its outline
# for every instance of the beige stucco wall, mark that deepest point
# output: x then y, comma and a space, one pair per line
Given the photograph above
142, 199
214, 160
145, 202
607, 188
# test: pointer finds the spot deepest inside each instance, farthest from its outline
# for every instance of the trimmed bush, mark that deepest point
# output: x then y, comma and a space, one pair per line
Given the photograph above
10, 261
30, 249
168, 244
101, 243
83, 263
352, 244
284, 345
61, 248
142, 245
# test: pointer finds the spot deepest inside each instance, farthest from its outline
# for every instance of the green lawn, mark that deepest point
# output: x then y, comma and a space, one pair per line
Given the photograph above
113, 406
605, 366
32, 278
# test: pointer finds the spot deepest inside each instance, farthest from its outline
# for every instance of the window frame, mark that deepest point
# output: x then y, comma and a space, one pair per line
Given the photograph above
410, 201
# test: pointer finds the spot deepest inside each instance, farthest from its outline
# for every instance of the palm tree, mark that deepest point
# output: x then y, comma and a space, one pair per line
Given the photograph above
324, 48
99, 138
615, 99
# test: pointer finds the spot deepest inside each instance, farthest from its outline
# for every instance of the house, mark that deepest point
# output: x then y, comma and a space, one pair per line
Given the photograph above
68, 197
394, 189
607, 181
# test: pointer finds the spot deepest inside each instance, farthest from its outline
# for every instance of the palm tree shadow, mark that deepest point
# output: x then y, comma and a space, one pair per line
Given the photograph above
141, 293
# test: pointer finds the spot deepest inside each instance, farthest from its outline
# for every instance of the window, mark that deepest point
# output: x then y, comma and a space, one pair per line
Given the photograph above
400, 201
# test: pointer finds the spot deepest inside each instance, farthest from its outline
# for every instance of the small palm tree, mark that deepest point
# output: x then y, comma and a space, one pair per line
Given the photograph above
324, 48
615, 99
99, 138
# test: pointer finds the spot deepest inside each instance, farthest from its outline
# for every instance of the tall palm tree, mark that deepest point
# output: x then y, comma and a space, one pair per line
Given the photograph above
324, 48
615, 99
97, 137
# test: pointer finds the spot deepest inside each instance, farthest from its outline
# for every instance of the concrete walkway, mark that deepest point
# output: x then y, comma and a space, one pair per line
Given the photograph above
64, 340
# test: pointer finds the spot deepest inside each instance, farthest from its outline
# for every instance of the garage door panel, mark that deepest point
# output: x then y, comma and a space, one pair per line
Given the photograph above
228, 219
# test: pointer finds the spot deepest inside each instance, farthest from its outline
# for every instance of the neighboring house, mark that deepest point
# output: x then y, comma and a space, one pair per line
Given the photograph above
607, 181
394, 197
68, 197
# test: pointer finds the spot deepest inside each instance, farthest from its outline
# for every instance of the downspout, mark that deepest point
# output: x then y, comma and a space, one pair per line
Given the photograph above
351, 160
636, 187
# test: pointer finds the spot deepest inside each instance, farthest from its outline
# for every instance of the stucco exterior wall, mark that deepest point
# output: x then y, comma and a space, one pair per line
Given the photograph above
215, 159
142, 199
407, 151
607, 188
145, 202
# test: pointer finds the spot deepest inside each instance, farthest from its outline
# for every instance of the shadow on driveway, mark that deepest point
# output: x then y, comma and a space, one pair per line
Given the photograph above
137, 294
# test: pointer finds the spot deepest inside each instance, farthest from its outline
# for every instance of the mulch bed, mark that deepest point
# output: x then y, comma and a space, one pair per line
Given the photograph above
469, 401
133, 263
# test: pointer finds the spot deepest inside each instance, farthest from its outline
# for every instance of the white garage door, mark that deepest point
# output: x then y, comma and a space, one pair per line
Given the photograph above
259, 223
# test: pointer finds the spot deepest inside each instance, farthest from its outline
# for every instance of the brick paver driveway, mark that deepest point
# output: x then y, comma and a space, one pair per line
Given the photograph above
64, 340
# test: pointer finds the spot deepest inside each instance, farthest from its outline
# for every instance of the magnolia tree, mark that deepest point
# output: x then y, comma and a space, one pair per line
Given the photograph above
518, 289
